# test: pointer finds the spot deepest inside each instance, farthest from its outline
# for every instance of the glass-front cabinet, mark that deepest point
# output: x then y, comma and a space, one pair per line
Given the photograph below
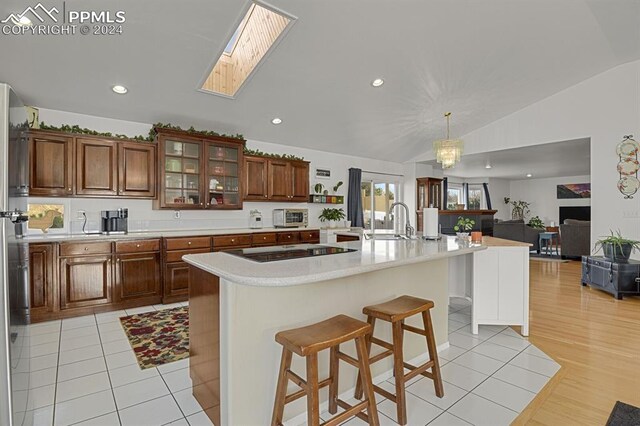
199, 172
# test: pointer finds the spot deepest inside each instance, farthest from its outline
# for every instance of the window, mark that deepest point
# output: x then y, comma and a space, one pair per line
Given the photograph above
475, 199
454, 197
377, 196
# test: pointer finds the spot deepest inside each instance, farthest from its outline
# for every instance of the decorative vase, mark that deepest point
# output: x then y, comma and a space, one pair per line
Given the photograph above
332, 224
617, 254
462, 235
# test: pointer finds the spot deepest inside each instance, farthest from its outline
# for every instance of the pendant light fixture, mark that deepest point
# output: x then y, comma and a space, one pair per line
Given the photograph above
448, 151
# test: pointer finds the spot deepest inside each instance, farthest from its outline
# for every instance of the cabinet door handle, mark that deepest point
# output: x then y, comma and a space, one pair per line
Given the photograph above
189, 243
86, 248
69, 189
233, 240
138, 245
201, 204
118, 260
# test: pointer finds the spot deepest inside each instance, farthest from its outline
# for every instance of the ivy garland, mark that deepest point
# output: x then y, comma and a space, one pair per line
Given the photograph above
150, 138
257, 152
154, 131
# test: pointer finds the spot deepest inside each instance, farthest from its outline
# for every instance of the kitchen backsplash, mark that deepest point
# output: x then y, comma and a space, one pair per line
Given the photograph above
143, 218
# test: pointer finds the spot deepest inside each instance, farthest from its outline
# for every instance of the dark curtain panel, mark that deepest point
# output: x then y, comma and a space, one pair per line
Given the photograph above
445, 187
486, 195
354, 198
465, 191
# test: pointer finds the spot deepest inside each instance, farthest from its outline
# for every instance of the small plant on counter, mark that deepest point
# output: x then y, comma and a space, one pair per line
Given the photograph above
616, 248
337, 186
464, 224
331, 215
536, 222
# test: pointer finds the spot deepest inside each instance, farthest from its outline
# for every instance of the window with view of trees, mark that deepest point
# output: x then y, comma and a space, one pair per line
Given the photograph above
454, 196
475, 199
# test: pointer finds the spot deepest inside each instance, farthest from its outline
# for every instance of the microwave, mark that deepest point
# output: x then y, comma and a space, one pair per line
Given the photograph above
290, 218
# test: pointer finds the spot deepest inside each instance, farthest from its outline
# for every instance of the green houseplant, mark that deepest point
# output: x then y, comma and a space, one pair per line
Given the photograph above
464, 226
337, 186
616, 248
519, 208
331, 215
536, 222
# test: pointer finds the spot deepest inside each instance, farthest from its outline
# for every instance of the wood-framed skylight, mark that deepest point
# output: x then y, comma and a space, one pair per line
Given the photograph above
261, 28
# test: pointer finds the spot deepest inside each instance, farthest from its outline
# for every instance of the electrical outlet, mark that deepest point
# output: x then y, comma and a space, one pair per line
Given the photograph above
176, 214
80, 214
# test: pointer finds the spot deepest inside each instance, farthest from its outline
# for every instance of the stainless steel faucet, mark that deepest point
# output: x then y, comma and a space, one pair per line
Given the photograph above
408, 229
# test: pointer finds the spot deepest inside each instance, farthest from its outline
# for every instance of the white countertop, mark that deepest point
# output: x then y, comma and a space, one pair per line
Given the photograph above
44, 238
372, 255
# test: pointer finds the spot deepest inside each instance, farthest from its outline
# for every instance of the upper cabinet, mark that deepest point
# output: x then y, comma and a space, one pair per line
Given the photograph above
199, 172
68, 165
51, 164
275, 179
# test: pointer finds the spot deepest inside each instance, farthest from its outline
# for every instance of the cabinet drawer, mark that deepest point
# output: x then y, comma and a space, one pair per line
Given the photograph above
288, 237
231, 240
176, 256
187, 243
137, 246
264, 239
75, 249
310, 236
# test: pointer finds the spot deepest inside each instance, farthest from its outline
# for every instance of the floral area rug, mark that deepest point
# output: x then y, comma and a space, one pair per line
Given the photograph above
158, 337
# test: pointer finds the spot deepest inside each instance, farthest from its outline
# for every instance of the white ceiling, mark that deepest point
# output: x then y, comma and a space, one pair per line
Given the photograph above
481, 60
568, 158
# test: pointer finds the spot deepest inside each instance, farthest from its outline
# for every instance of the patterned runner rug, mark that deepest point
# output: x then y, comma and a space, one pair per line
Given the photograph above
158, 337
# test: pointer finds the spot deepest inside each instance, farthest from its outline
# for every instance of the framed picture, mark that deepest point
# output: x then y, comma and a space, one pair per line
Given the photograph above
47, 218
574, 190
323, 173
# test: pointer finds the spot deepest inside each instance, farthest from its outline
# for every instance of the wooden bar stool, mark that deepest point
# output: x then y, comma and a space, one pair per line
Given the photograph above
307, 342
395, 312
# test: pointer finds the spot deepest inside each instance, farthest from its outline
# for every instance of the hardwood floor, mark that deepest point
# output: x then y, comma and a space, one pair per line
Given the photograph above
593, 336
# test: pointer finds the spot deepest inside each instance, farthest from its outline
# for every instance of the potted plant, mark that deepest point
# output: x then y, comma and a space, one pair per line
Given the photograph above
318, 187
519, 209
332, 216
616, 248
536, 222
464, 226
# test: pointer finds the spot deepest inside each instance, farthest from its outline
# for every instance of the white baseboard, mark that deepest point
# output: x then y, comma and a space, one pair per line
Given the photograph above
302, 417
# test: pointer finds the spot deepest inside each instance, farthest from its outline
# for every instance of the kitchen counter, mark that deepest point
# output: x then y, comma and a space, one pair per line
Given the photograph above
236, 306
371, 255
46, 238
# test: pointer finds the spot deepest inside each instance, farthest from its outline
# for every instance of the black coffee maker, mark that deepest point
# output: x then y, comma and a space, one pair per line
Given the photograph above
114, 221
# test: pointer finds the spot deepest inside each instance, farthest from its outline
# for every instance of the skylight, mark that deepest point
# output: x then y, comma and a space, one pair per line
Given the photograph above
252, 40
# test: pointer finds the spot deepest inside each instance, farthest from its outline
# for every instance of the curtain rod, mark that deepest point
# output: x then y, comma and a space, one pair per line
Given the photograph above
380, 173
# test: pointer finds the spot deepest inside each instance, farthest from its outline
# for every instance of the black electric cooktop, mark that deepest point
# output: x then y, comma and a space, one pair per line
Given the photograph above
272, 254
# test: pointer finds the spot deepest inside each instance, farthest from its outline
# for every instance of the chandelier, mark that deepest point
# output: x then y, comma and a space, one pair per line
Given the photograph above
448, 151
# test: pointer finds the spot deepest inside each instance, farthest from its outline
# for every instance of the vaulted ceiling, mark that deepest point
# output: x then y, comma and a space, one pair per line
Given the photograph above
479, 59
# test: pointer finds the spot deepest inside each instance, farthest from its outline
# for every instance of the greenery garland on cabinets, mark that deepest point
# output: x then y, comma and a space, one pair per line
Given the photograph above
66, 128
258, 153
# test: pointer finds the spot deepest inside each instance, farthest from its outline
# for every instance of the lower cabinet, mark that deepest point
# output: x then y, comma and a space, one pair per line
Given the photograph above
138, 277
43, 295
176, 282
85, 281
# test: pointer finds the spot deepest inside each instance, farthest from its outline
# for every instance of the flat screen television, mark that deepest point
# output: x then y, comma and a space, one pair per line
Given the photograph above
578, 212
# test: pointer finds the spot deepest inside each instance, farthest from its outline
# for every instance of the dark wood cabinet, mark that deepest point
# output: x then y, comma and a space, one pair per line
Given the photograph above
137, 271
428, 194
175, 271
199, 172
96, 167
136, 170
256, 186
43, 295
271, 179
51, 164
85, 281
63, 164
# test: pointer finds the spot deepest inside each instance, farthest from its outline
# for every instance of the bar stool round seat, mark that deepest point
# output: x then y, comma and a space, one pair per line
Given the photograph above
307, 342
396, 311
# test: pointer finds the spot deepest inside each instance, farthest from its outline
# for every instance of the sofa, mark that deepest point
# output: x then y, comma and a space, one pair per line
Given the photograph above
576, 237
517, 230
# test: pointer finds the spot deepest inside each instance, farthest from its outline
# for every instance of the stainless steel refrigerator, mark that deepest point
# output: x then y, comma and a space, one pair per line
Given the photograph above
14, 260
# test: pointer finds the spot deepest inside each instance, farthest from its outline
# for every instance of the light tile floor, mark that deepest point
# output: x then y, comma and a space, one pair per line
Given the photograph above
84, 372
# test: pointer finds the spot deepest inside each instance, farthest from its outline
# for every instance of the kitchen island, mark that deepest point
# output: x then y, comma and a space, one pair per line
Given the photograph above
237, 306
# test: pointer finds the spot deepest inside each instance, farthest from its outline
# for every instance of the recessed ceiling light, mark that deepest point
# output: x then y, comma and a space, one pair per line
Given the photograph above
529, 175
120, 90
276, 121
377, 82
488, 165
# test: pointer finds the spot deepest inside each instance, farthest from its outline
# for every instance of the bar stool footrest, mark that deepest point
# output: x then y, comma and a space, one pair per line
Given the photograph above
415, 371
303, 392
